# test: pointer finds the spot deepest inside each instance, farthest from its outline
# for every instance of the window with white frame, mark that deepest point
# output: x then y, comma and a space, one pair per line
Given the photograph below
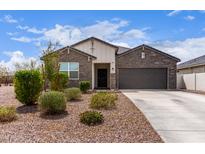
72, 68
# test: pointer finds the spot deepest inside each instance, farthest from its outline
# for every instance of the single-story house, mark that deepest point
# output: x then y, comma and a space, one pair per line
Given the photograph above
109, 66
196, 65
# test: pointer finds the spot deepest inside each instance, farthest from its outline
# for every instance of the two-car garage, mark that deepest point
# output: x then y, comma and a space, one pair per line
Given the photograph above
145, 67
143, 78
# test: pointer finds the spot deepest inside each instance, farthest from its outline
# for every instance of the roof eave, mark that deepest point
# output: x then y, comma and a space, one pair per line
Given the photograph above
68, 47
160, 52
190, 66
90, 38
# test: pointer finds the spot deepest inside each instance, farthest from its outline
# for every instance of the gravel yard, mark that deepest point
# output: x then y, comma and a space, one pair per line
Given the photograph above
124, 124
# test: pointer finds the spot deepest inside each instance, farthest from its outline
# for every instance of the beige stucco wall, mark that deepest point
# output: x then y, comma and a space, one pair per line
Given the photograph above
200, 81
193, 81
180, 81
189, 81
103, 52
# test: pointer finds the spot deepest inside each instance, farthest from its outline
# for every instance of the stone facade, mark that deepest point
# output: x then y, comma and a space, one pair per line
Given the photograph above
131, 59
113, 81
85, 65
152, 59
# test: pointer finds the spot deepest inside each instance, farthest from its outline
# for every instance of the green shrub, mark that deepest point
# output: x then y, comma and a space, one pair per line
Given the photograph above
52, 102
72, 93
28, 85
103, 100
7, 114
59, 81
84, 86
91, 118
63, 80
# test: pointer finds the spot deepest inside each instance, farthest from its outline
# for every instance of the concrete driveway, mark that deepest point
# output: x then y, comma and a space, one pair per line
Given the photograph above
177, 116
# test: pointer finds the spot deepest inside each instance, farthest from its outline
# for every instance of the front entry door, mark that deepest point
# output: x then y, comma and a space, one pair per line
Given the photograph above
102, 78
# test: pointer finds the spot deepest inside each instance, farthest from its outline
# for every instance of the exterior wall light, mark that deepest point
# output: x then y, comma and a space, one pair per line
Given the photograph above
143, 55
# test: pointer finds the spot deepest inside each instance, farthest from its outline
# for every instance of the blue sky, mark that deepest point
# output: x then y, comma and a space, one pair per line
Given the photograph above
24, 34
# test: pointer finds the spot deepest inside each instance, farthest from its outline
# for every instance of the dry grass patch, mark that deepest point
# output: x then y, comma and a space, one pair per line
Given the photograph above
7, 114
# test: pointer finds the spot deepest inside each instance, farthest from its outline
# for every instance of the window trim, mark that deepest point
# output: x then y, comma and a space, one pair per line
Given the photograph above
68, 63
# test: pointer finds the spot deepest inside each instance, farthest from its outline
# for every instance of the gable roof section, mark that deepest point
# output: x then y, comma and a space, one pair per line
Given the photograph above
73, 49
81, 52
153, 49
122, 49
94, 38
192, 63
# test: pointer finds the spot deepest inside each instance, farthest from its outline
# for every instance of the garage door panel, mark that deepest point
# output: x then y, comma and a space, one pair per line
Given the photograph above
143, 78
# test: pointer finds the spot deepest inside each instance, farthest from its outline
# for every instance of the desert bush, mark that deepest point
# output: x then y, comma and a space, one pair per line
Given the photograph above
91, 118
84, 86
52, 102
103, 100
72, 93
28, 85
7, 114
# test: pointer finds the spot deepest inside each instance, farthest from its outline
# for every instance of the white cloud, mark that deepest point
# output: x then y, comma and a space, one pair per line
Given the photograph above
9, 19
134, 34
36, 31
146, 29
22, 39
121, 44
107, 30
11, 33
22, 27
173, 13
65, 35
190, 18
114, 31
15, 57
15, 54
104, 29
31, 29
185, 49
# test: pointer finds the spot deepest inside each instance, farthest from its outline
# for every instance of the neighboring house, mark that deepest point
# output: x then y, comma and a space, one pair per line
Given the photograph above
196, 65
109, 66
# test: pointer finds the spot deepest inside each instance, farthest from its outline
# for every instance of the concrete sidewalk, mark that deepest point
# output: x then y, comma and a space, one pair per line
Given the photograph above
177, 116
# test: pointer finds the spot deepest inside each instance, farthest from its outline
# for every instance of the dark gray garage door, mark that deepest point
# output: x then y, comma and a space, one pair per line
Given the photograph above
143, 78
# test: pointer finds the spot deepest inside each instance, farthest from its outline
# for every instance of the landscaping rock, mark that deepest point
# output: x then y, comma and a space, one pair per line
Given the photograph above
124, 124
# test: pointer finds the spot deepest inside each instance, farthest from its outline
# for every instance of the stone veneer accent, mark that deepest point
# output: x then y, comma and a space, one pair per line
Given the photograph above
152, 59
113, 81
85, 65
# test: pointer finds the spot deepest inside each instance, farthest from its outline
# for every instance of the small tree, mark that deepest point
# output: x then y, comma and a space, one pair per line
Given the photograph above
59, 82
51, 67
27, 65
4, 75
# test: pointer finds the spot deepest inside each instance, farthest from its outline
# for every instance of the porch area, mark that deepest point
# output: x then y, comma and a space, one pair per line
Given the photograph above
101, 74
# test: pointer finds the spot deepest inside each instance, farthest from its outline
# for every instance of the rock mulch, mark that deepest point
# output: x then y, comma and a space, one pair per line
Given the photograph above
123, 124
